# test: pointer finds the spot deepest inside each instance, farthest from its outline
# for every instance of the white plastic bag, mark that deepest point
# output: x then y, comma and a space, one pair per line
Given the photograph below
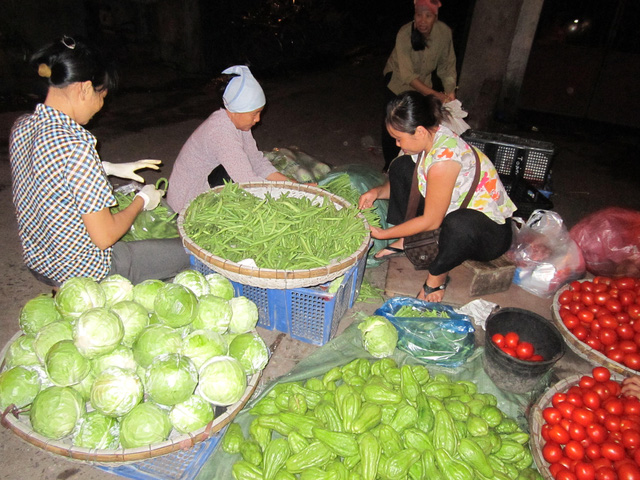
454, 117
545, 255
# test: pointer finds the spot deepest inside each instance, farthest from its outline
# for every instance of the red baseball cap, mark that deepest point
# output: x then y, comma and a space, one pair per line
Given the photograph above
431, 5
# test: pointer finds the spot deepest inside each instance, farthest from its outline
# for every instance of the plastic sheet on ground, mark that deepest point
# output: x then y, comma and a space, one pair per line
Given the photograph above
348, 347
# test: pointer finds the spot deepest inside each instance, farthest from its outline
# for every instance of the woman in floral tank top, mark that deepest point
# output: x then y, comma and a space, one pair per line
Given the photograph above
446, 169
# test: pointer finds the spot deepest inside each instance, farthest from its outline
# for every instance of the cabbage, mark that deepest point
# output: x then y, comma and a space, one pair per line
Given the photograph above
37, 312
115, 391
65, 365
134, 318
117, 289
222, 381
79, 294
84, 387
18, 386
191, 415
201, 345
145, 293
244, 316
379, 336
250, 350
156, 340
170, 379
220, 286
50, 334
212, 313
194, 281
21, 352
55, 411
97, 431
175, 305
97, 331
146, 424
121, 356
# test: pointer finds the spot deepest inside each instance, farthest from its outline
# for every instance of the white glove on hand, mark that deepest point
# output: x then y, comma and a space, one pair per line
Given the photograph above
151, 196
126, 170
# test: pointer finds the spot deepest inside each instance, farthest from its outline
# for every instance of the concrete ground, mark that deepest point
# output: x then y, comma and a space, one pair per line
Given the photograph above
333, 114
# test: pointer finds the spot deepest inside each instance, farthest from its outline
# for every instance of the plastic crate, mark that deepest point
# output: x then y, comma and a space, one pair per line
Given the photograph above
515, 157
309, 314
527, 198
182, 465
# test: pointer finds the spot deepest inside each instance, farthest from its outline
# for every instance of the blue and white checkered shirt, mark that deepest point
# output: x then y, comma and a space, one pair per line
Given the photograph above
57, 177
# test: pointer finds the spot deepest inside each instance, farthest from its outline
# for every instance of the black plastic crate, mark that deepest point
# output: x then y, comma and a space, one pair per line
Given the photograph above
515, 157
526, 197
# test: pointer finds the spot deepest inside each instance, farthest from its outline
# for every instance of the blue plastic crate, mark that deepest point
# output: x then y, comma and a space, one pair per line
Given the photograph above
180, 465
309, 314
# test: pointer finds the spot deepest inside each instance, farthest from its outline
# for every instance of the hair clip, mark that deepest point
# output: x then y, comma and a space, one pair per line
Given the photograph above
68, 42
44, 70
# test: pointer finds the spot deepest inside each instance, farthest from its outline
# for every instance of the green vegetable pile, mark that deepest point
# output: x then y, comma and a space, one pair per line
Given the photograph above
341, 186
286, 233
147, 359
161, 222
379, 421
410, 311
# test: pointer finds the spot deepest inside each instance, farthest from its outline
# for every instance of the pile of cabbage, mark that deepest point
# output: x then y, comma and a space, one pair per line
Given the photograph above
110, 364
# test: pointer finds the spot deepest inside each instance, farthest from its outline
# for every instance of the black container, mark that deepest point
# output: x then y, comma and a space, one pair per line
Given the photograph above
512, 374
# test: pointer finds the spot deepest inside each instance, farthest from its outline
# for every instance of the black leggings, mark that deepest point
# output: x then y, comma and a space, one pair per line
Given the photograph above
466, 234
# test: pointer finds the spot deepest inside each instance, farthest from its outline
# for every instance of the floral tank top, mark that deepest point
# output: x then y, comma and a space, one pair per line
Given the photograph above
490, 196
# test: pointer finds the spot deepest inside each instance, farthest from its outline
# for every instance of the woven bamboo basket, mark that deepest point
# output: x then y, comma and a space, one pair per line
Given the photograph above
272, 278
536, 421
18, 423
582, 349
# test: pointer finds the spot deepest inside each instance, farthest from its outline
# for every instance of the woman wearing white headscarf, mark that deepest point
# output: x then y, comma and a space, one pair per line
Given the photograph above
222, 147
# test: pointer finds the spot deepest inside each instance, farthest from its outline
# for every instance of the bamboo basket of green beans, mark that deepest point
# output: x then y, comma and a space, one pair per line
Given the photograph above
296, 235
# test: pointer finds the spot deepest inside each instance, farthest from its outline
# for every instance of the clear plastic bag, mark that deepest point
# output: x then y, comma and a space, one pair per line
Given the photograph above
434, 333
545, 255
293, 162
610, 241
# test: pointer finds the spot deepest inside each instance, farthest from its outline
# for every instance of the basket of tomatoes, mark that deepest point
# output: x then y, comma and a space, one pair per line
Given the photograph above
584, 428
600, 321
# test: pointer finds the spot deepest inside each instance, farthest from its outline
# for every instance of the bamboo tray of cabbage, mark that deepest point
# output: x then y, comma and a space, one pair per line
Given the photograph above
275, 234
86, 376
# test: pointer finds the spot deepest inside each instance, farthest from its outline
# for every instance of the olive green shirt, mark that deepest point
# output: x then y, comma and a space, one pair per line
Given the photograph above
408, 64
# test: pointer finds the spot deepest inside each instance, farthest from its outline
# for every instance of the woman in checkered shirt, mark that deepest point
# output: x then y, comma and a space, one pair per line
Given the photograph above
60, 188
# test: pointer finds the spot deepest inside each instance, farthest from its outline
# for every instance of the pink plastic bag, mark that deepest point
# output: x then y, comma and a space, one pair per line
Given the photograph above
610, 241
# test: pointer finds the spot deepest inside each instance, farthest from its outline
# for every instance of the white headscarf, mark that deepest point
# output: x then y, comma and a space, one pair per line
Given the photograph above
243, 93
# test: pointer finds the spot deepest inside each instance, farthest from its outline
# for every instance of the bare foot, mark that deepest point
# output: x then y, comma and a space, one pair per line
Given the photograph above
433, 289
393, 250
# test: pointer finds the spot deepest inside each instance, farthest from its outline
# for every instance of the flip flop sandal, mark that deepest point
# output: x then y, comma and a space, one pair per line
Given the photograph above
428, 290
395, 252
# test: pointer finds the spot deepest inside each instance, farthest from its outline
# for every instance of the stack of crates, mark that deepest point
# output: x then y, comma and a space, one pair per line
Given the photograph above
524, 166
309, 314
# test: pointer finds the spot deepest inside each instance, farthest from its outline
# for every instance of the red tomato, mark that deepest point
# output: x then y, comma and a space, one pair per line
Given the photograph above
602, 280
559, 435
581, 332
586, 381
557, 398
570, 320
583, 416
612, 451
577, 432
554, 468
602, 390
509, 351
614, 406
632, 360
629, 424
566, 409
628, 346
511, 340
585, 471
612, 422
576, 399
600, 413
614, 387
525, 350
565, 298
613, 305
606, 473
608, 321
586, 286
626, 297
601, 298
551, 415
576, 286
633, 311
625, 283
576, 306
625, 331
623, 317
602, 463
631, 406
565, 474
631, 439
585, 316
616, 355
591, 400
498, 339
536, 358
593, 451
552, 452
607, 336
544, 431
596, 432
594, 342
574, 450
587, 298
628, 471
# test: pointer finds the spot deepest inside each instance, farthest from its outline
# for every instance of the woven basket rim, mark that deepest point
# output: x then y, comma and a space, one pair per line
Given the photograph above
580, 348
536, 420
277, 278
23, 430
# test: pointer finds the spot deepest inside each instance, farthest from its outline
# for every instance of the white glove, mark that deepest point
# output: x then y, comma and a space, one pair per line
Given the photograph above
126, 170
151, 196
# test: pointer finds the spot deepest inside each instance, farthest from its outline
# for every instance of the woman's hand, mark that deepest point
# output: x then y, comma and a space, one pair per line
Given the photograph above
631, 386
377, 233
